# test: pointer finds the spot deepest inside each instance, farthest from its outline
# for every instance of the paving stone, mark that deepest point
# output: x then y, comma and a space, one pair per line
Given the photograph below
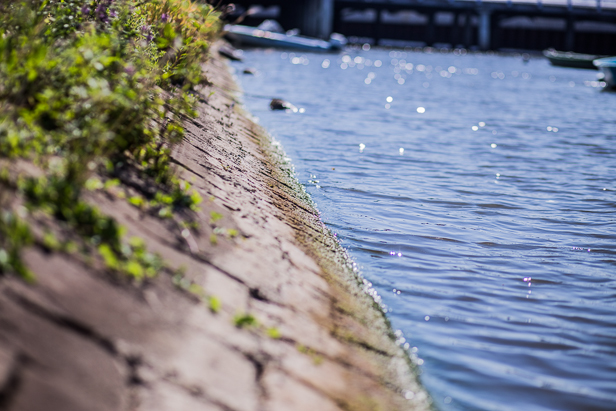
284, 394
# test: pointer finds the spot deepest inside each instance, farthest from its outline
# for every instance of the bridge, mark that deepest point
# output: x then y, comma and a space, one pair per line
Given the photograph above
575, 25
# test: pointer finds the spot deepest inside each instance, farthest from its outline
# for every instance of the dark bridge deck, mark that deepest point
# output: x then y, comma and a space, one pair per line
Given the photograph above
578, 25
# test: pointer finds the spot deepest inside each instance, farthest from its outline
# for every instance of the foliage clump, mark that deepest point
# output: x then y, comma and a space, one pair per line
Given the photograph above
96, 87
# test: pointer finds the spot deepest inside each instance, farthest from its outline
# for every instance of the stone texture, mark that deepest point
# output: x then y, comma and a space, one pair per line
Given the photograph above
82, 338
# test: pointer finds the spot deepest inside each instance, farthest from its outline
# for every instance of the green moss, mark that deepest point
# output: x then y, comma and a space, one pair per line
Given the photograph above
314, 356
245, 321
215, 216
215, 304
273, 332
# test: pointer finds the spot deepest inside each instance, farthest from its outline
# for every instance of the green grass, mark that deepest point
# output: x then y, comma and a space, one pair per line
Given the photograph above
88, 90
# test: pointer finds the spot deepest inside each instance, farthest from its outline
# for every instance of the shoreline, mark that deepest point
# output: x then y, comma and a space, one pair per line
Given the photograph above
259, 308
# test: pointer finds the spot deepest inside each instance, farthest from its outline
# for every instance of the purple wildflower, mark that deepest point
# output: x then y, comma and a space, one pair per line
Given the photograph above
101, 12
129, 69
164, 17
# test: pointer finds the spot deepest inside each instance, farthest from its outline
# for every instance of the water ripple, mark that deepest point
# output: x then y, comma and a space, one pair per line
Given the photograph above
487, 223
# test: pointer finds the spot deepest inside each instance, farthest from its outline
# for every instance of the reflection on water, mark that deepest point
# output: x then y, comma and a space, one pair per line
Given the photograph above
477, 194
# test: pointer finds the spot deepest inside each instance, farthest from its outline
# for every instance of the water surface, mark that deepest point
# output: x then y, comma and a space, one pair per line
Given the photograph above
477, 194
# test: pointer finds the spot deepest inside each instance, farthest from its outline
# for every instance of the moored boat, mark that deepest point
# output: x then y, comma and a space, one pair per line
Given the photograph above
259, 37
571, 59
607, 65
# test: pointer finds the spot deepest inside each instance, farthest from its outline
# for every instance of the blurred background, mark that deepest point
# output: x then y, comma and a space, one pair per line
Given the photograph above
583, 26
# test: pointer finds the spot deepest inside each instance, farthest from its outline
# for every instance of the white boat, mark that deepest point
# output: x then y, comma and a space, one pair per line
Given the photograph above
262, 37
608, 67
570, 59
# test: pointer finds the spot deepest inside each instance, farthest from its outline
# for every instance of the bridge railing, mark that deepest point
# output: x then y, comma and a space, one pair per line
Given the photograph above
571, 4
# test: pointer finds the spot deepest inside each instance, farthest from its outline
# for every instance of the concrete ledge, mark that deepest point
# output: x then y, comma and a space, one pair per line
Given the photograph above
84, 339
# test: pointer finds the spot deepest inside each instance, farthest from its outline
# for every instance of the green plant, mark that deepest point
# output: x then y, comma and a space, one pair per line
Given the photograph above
215, 304
92, 86
14, 234
273, 333
245, 321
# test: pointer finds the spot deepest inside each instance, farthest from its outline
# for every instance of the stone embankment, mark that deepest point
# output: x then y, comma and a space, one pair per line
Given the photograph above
265, 314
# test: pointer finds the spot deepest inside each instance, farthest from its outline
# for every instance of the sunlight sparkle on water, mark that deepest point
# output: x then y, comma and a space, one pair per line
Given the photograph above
505, 227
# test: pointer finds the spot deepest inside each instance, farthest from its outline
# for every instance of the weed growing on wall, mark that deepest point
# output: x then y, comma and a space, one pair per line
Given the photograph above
95, 87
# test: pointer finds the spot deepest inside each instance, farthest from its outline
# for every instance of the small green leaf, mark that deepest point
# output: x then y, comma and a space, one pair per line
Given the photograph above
50, 241
245, 320
111, 183
4, 257
215, 304
134, 269
108, 255
165, 212
273, 333
93, 183
136, 201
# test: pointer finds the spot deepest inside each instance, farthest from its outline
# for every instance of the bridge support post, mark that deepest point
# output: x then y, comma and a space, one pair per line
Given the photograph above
484, 29
468, 30
454, 30
495, 32
378, 31
430, 29
325, 18
314, 18
570, 34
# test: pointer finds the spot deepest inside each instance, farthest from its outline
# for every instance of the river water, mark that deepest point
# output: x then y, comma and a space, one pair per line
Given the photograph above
477, 194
